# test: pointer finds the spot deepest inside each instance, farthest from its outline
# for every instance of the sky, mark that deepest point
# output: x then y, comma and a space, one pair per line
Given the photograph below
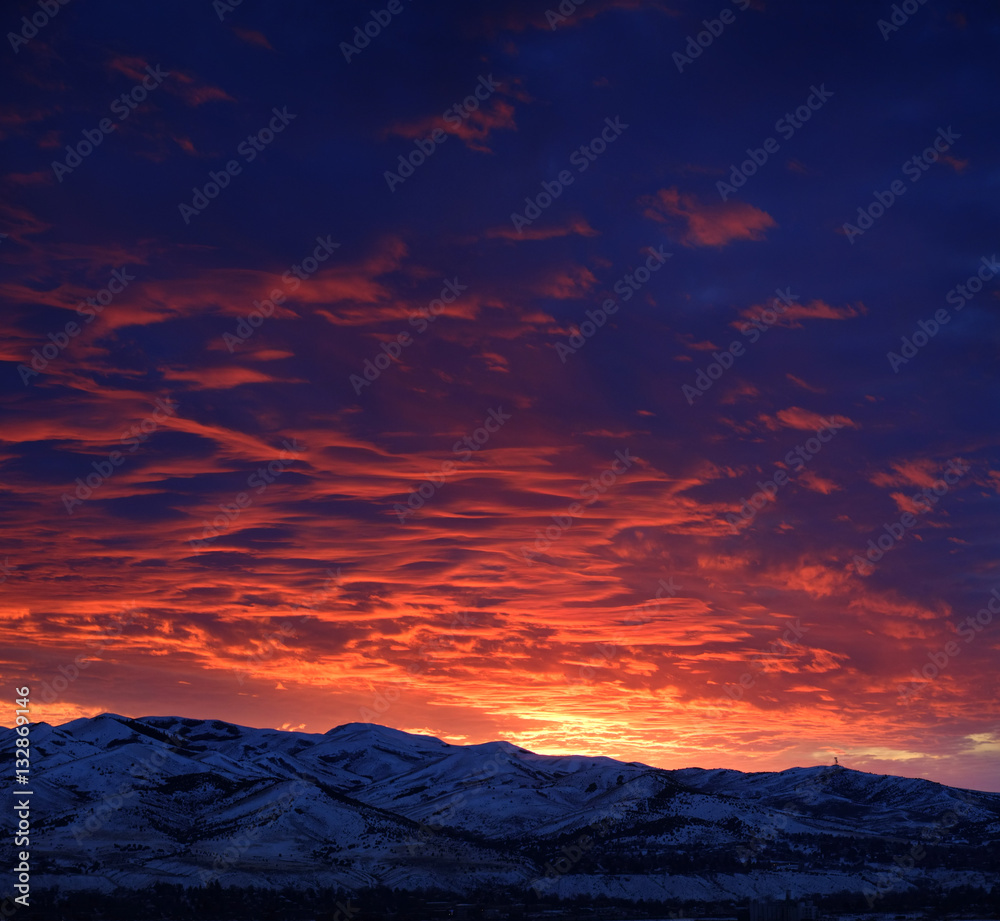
616, 378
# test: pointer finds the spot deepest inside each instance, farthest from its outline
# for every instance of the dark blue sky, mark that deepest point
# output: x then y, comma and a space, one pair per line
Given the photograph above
236, 459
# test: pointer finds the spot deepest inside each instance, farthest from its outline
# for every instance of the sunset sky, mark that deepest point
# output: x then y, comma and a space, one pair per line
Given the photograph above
476, 466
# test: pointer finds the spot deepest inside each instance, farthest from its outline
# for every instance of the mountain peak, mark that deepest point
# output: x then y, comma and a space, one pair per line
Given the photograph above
376, 730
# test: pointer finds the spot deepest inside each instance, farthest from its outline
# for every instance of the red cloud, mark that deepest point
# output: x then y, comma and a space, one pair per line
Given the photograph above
576, 226
790, 315
42, 177
573, 281
519, 17
222, 378
179, 83
473, 130
15, 122
922, 472
956, 163
186, 145
803, 420
805, 386
253, 38
812, 480
708, 224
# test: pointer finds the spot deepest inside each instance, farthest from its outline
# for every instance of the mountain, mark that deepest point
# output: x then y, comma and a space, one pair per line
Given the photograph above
121, 802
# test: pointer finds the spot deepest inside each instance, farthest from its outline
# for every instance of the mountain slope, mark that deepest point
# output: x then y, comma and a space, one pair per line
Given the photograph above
122, 802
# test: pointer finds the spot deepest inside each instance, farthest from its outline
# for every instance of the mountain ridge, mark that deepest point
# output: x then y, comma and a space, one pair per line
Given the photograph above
396, 733
125, 802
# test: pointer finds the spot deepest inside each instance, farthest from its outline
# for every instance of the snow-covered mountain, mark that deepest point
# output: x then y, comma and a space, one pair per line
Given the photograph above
122, 802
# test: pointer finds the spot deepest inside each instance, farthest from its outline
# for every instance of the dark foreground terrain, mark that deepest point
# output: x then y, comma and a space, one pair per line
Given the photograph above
133, 816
